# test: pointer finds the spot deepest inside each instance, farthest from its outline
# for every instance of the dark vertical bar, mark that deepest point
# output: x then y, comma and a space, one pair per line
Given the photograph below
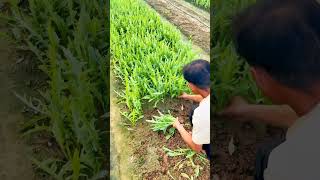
212, 92
107, 109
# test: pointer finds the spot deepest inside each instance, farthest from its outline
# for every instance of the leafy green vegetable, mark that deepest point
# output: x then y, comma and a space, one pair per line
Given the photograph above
202, 3
170, 133
230, 74
68, 41
162, 122
148, 54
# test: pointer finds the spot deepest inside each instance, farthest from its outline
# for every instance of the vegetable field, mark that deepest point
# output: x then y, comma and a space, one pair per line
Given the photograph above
68, 42
147, 56
231, 74
235, 144
148, 60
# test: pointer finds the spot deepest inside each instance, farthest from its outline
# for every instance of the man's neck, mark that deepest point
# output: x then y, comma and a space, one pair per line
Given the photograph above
303, 103
204, 93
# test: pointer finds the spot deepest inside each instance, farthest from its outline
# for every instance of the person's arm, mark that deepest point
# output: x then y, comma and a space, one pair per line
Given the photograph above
187, 137
195, 98
275, 115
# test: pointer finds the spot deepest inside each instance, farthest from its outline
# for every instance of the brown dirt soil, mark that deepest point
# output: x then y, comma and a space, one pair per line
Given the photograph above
247, 139
147, 158
157, 141
193, 22
14, 162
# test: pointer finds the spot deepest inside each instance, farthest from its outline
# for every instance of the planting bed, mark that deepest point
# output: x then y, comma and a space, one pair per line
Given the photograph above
138, 152
247, 138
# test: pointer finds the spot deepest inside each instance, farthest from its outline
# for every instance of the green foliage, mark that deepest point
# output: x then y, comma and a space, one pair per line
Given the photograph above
162, 122
231, 74
69, 41
222, 13
188, 153
147, 56
202, 3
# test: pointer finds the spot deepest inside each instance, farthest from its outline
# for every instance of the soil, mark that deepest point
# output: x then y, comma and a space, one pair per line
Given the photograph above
158, 140
192, 21
142, 151
14, 153
247, 138
120, 153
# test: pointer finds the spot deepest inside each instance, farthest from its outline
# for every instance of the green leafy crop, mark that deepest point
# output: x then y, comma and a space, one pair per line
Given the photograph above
162, 122
202, 3
148, 54
230, 74
68, 41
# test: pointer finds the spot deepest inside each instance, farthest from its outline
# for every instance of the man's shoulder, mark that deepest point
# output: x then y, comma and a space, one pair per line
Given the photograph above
202, 112
204, 106
299, 156
292, 160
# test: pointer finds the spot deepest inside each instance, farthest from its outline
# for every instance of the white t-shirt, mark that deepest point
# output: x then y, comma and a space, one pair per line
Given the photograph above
298, 157
201, 122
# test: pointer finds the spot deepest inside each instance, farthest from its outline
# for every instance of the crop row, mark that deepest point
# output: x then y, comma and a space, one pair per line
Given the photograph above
231, 74
68, 41
148, 54
202, 3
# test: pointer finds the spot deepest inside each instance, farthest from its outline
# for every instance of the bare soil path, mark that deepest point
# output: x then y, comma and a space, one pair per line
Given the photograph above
14, 162
190, 20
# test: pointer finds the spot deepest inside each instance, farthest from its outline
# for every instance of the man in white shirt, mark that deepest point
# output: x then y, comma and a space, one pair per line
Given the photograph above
197, 74
281, 42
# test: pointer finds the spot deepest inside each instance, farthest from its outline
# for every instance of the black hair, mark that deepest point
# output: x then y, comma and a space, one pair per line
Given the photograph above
282, 37
198, 73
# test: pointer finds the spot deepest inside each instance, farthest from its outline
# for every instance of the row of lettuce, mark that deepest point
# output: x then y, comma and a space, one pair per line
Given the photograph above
148, 54
68, 41
230, 74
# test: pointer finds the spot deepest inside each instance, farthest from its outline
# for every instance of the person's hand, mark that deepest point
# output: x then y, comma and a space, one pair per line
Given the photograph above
183, 95
236, 109
176, 123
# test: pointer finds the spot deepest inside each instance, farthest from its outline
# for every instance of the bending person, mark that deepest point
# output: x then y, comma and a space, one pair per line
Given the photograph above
197, 74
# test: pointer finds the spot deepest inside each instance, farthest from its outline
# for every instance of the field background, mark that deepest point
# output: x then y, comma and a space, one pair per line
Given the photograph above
137, 149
